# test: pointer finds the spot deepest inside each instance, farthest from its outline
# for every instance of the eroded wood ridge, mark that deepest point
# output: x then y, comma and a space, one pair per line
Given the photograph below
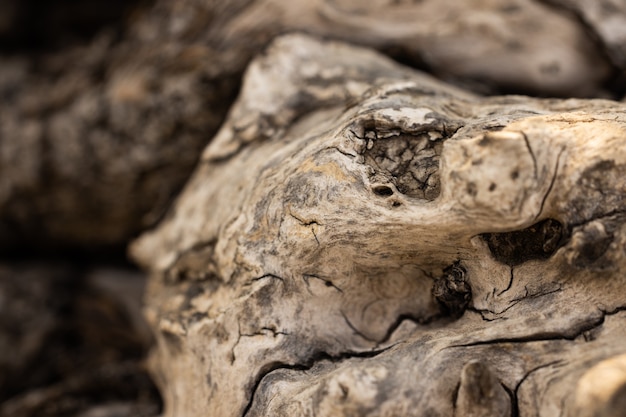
97, 138
391, 245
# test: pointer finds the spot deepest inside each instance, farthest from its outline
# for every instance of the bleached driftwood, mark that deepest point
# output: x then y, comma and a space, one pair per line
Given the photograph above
362, 240
95, 140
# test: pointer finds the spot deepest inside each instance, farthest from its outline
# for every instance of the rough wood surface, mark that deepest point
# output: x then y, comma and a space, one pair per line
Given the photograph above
95, 140
361, 239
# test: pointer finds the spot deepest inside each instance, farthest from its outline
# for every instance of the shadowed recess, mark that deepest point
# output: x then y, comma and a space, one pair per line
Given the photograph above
538, 241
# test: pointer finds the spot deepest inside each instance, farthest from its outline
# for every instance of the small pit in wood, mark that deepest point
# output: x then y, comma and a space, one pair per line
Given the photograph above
382, 190
410, 162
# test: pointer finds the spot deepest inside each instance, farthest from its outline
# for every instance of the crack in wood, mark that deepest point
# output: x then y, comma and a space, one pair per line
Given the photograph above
327, 282
538, 337
305, 366
343, 173
552, 181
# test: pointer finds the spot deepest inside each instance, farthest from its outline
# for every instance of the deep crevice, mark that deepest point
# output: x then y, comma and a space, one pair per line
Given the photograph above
515, 412
614, 311
538, 241
307, 365
455, 395
513, 399
539, 337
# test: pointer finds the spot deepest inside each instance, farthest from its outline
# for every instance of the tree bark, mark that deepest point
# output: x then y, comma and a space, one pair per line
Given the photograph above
362, 239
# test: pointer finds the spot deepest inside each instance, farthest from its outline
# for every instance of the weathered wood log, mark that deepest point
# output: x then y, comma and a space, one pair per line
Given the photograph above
93, 148
95, 140
31, 301
607, 20
361, 239
73, 342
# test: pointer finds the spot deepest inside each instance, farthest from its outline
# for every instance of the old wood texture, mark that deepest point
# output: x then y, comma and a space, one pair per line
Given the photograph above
95, 140
360, 239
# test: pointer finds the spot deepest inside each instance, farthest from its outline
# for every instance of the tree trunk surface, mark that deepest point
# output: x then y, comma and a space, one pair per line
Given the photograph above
362, 239
342, 208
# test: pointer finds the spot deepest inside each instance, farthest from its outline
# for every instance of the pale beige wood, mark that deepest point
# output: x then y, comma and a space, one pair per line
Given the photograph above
97, 139
362, 239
